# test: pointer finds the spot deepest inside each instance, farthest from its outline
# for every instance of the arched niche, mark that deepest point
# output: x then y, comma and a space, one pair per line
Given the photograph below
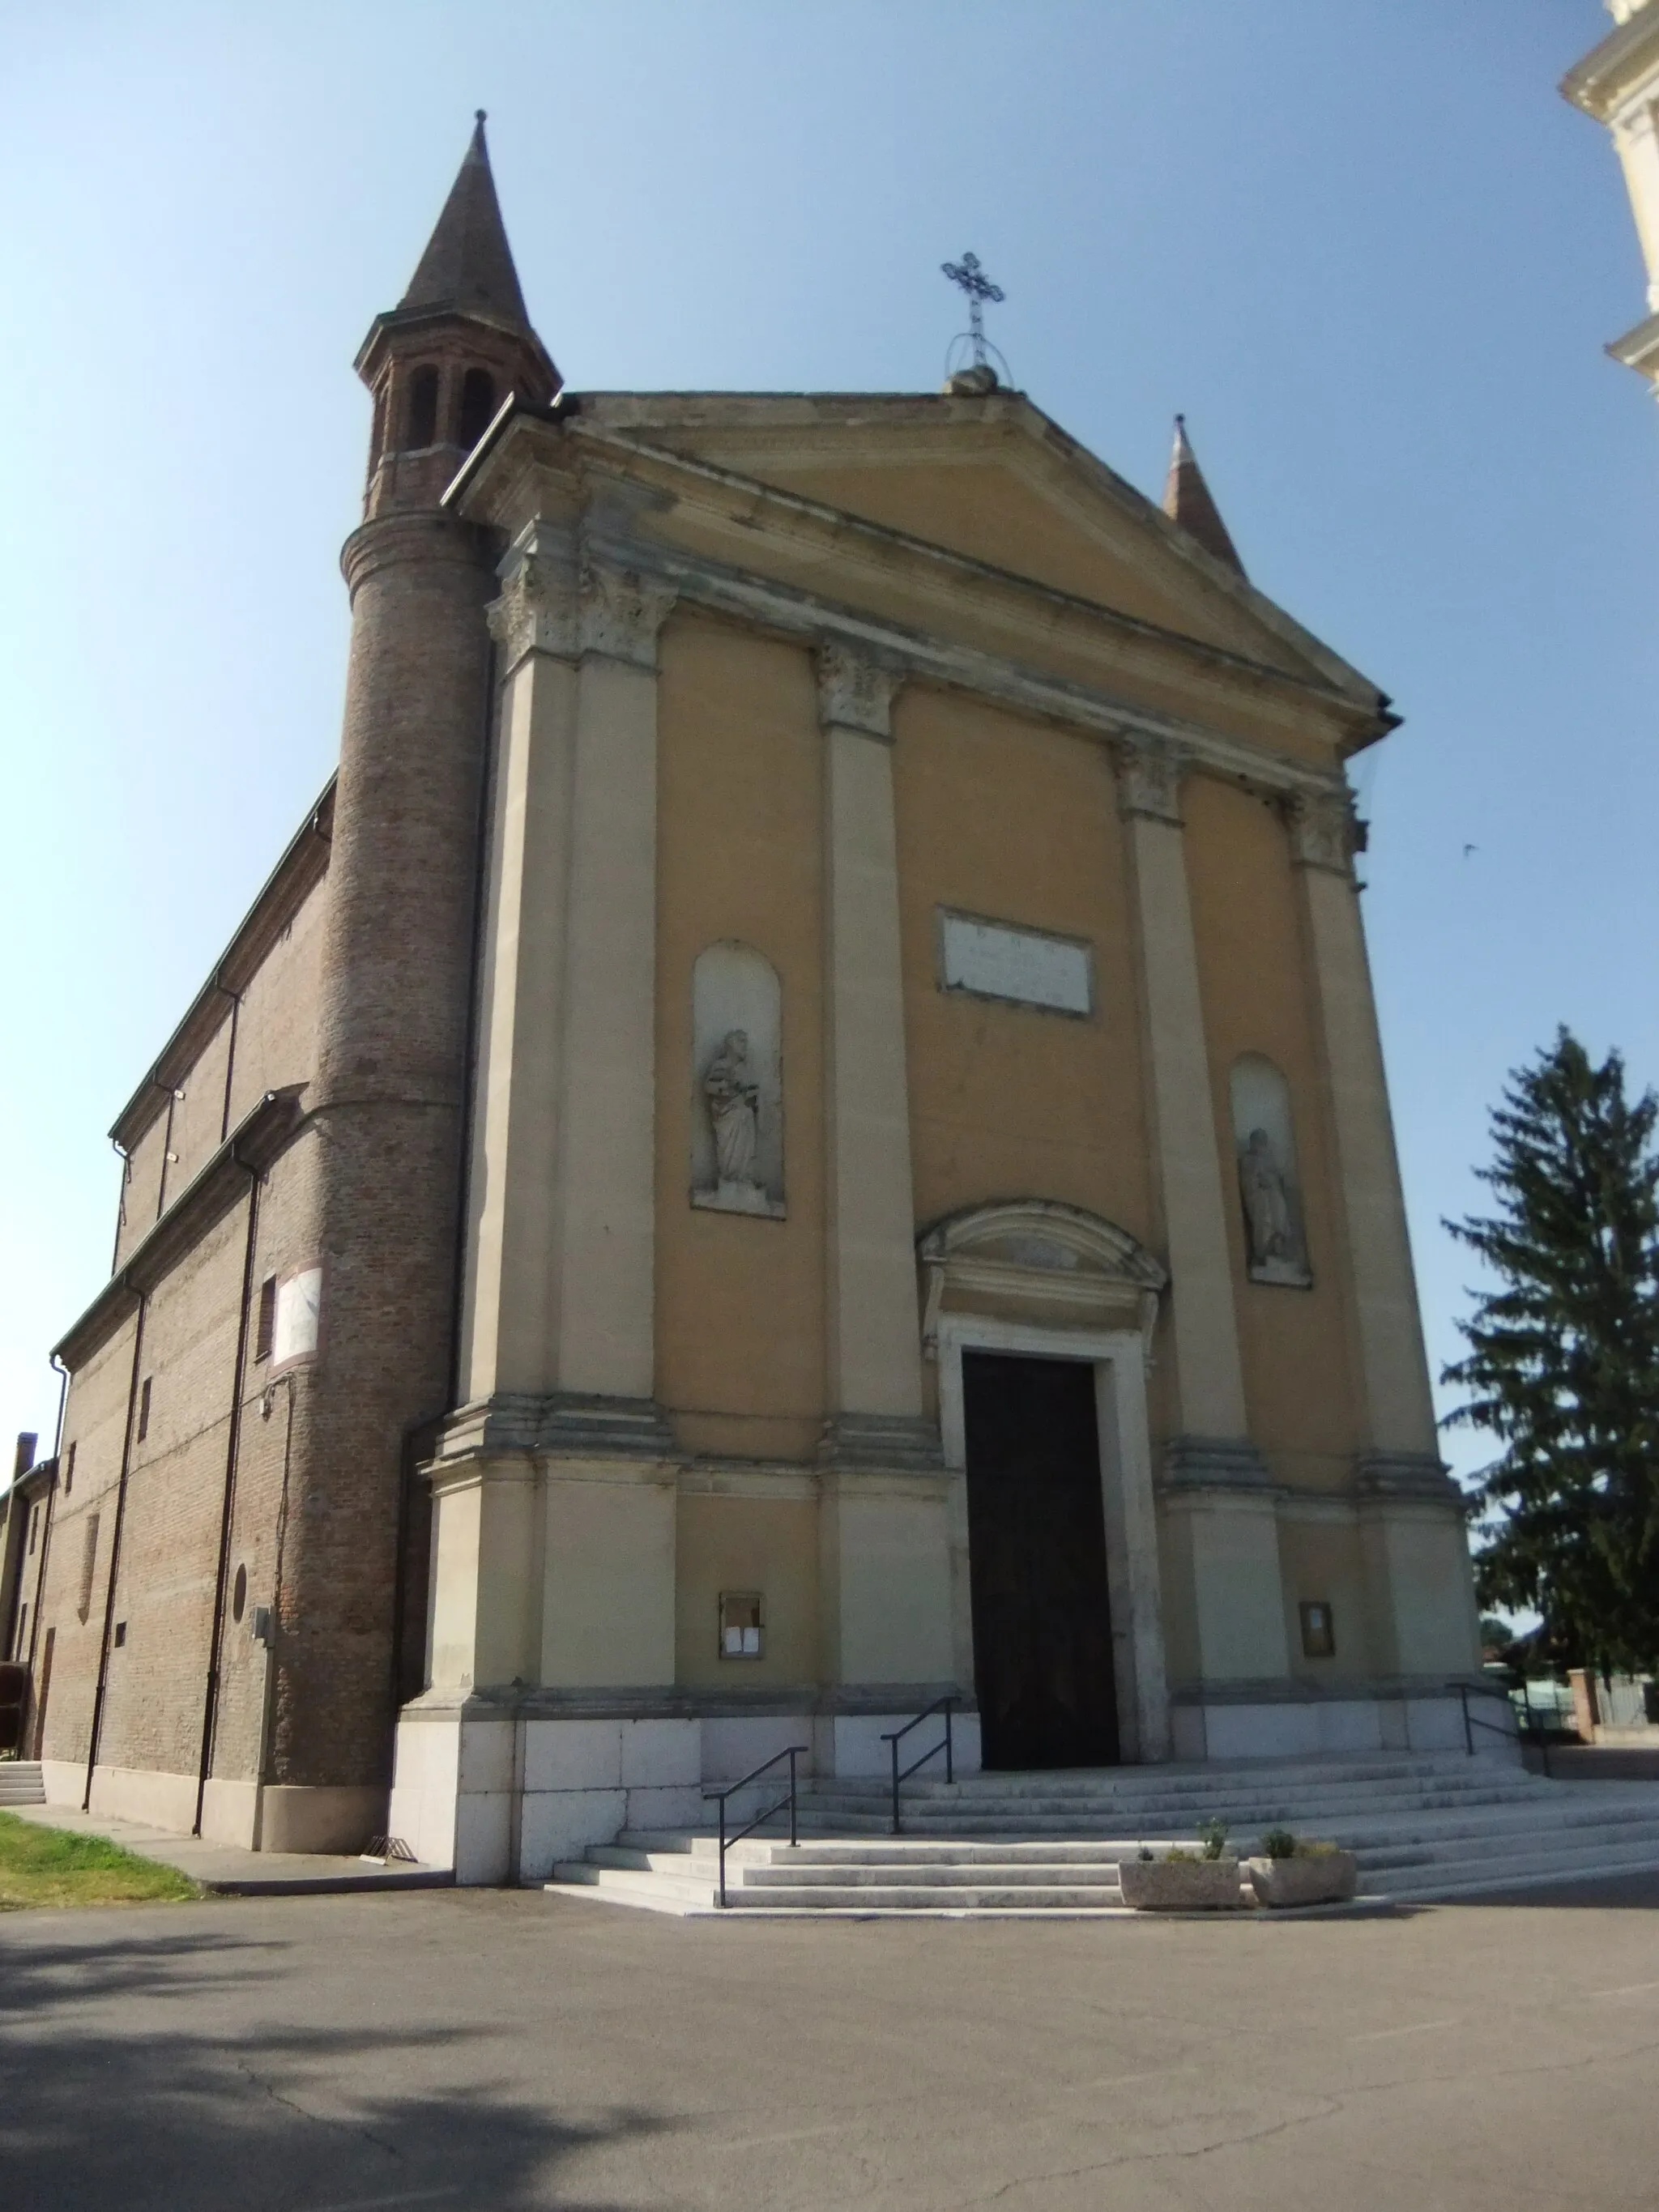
1269, 1183
736, 1082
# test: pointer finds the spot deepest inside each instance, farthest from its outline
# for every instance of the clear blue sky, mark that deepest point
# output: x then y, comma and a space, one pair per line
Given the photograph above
1365, 246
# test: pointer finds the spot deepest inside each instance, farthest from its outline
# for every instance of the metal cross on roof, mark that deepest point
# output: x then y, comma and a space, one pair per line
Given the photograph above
969, 273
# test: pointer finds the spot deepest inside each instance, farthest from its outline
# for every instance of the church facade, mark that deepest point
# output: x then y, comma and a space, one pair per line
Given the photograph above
800, 1131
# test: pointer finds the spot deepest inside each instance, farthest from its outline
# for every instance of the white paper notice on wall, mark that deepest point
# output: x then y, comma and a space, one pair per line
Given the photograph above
997, 960
299, 1307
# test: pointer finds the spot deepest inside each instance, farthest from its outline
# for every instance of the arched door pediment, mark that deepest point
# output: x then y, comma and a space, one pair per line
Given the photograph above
1037, 1258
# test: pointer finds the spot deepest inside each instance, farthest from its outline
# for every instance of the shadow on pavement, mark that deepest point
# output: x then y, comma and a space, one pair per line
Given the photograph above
1622, 1893
181, 2111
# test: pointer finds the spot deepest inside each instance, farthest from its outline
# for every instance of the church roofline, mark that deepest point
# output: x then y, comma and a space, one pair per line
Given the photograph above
620, 413
1354, 696
1610, 72
251, 1147
303, 864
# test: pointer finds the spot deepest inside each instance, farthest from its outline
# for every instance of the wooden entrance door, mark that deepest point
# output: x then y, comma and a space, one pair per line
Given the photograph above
1036, 1533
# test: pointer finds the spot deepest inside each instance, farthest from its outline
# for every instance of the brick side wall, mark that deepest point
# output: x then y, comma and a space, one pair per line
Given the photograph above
381, 1155
276, 1044
95, 1425
170, 1533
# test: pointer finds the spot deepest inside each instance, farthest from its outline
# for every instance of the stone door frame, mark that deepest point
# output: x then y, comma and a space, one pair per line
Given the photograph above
1119, 1359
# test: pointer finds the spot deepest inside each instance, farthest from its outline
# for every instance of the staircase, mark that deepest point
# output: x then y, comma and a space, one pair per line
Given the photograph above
20, 1783
1421, 1825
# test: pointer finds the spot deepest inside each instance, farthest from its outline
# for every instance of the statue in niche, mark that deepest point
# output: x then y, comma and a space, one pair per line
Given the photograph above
1276, 1255
734, 1100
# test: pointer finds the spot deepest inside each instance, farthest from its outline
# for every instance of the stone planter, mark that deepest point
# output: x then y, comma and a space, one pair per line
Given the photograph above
1181, 1885
1329, 1878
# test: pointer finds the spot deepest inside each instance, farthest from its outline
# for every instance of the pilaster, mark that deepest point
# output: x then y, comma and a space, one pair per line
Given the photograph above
560, 1292
1209, 1376
1399, 1411
875, 1348
605, 1244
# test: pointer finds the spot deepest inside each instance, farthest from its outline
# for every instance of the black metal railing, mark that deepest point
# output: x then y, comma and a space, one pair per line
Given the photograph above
895, 1736
794, 1752
1532, 1732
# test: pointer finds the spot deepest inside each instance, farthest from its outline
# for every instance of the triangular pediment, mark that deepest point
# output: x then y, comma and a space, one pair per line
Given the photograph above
995, 480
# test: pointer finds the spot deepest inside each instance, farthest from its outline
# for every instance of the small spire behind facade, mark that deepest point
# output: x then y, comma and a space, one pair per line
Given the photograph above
1186, 501
467, 267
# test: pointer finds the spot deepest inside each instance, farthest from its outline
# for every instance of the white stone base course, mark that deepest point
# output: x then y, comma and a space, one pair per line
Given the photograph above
1317, 1727
501, 1800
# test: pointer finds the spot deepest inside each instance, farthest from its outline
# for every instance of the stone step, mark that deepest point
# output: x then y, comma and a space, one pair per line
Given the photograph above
899, 1850
898, 1896
1157, 1782
1505, 1783
666, 1893
1197, 1781
1008, 1874
1589, 1860
1377, 1845
20, 1783
1242, 1823
1416, 1838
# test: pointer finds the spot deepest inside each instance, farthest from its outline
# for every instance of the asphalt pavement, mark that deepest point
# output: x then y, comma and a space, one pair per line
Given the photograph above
456, 2049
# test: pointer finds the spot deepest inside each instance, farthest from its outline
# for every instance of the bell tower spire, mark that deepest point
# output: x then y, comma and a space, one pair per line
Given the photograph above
458, 341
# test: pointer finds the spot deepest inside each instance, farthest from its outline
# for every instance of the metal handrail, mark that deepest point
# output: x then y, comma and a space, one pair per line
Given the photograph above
892, 1738
794, 1752
1472, 1720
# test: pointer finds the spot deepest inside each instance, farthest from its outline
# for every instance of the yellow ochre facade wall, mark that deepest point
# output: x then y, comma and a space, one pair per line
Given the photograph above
825, 736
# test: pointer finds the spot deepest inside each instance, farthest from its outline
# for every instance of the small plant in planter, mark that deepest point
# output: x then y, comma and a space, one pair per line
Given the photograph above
1183, 1880
1291, 1870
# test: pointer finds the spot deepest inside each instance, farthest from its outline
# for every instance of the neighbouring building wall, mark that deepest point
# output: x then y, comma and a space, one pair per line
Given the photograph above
1618, 85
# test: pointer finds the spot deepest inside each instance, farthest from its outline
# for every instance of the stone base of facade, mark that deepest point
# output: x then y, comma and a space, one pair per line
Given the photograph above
1252, 1721
278, 1817
503, 1798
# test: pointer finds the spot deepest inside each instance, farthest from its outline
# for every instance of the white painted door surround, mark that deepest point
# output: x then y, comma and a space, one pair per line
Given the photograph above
1039, 1253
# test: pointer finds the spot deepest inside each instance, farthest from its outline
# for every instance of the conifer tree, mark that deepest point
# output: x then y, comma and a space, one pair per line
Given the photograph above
1563, 1366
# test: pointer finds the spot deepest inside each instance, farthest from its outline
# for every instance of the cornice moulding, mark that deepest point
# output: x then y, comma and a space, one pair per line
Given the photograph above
1616, 71
737, 515
302, 868
786, 612
907, 426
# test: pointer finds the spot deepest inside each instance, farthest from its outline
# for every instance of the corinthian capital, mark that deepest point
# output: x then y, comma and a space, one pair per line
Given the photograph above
621, 613
1148, 776
537, 610
855, 690
1325, 832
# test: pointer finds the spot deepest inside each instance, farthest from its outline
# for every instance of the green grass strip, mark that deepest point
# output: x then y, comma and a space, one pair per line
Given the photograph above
51, 1866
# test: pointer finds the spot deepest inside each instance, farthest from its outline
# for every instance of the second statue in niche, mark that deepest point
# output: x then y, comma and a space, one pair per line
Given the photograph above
736, 1120
735, 1114
1275, 1242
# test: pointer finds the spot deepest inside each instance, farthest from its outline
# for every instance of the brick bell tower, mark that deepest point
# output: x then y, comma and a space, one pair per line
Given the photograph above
381, 1188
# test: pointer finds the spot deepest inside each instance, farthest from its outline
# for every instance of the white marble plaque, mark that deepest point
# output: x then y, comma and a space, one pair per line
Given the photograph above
299, 1312
998, 961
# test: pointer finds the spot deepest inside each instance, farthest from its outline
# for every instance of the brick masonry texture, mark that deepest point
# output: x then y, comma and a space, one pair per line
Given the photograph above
384, 1139
362, 997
